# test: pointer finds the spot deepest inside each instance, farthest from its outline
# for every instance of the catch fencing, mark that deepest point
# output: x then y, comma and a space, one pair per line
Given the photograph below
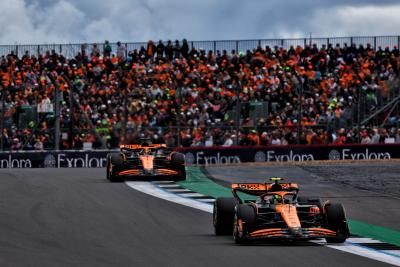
71, 50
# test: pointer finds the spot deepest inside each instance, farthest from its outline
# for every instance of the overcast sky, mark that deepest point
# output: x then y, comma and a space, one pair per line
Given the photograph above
68, 21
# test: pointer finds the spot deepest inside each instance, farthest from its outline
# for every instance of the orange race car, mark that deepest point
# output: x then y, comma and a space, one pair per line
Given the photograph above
277, 212
145, 161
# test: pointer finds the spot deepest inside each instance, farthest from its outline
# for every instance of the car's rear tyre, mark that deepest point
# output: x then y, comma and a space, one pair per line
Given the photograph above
108, 168
178, 164
181, 176
336, 221
223, 215
115, 160
177, 158
247, 215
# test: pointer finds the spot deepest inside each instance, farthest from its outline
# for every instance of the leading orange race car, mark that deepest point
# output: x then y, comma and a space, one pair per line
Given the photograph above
278, 213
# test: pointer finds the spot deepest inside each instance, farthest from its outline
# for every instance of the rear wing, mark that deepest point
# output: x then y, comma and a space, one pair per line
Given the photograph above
133, 147
257, 189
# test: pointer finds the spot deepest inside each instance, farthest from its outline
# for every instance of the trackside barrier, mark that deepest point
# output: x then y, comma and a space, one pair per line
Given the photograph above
207, 156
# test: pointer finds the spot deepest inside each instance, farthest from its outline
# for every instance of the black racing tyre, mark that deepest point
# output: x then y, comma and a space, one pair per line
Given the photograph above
181, 176
116, 160
223, 214
178, 164
335, 216
247, 215
108, 168
177, 158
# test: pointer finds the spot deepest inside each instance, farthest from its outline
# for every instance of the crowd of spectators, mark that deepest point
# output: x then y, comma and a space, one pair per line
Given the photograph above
173, 92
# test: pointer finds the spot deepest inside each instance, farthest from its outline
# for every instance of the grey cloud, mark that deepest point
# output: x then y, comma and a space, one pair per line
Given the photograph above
50, 21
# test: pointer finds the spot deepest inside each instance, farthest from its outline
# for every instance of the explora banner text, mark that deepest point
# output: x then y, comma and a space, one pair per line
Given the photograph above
206, 156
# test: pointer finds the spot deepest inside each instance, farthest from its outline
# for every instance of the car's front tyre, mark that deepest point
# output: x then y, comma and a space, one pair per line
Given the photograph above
336, 221
223, 215
115, 162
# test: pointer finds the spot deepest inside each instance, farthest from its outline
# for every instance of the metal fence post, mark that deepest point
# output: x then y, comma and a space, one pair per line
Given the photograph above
299, 110
398, 42
71, 116
359, 114
237, 47
375, 43
126, 112
237, 118
179, 116
2, 117
215, 47
57, 115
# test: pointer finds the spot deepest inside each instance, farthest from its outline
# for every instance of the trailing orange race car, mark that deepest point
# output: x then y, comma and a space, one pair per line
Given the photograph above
145, 160
278, 213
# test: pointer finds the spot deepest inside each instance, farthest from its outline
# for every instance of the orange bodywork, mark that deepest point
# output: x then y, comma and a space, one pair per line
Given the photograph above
289, 215
261, 187
140, 146
147, 162
166, 172
279, 232
129, 172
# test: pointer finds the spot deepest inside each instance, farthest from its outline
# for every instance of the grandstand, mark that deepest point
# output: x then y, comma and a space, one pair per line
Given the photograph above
290, 91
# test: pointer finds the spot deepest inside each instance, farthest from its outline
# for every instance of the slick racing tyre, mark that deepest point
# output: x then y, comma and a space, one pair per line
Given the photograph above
244, 221
336, 221
178, 164
181, 176
178, 158
117, 162
223, 214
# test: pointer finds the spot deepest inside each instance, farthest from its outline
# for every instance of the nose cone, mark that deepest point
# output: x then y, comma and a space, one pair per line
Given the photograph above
147, 163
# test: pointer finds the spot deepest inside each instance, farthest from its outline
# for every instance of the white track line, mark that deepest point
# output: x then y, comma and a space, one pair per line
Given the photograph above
153, 190
206, 200
349, 246
177, 191
361, 240
183, 194
378, 255
169, 185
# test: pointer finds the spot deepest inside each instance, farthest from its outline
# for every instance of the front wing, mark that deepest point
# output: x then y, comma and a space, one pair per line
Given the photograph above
141, 172
293, 234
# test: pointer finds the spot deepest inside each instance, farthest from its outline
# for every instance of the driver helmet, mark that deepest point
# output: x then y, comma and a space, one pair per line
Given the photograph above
278, 198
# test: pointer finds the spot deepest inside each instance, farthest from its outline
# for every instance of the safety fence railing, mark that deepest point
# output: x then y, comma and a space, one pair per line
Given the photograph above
205, 136
71, 50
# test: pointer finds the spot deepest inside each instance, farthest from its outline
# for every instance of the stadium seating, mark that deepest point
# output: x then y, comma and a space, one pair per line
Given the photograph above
176, 93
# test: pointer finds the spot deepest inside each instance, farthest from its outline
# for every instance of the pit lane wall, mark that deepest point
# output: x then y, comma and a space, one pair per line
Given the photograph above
206, 156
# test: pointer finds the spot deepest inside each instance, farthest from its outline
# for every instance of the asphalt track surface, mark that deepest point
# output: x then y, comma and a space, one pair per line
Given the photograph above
74, 217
